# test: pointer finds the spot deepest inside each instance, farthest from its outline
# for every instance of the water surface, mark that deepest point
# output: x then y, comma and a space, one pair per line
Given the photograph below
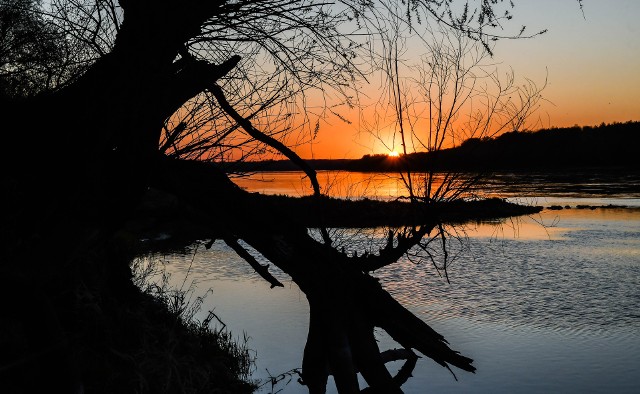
547, 303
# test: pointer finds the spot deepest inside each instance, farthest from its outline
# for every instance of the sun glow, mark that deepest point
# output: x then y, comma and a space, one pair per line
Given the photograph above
393, 154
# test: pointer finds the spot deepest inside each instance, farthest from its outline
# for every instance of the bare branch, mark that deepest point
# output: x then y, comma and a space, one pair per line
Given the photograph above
255, 133
263, 270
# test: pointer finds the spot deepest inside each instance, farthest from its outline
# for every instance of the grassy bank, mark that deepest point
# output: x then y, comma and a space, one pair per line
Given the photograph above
142, 340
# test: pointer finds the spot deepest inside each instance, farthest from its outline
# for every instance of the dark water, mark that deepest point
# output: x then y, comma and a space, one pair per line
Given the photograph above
546, 304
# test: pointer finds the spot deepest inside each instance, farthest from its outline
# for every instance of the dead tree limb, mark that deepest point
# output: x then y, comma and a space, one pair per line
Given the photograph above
261, 269
260, 136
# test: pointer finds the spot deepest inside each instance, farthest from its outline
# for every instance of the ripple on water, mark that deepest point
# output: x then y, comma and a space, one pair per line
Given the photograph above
558, 285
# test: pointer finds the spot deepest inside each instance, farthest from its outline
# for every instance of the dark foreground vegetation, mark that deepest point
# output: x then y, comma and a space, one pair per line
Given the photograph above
142, 340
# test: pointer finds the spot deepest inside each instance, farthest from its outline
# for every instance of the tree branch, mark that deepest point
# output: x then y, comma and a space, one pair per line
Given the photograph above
262, 270
193, 77
389, 254
260, 136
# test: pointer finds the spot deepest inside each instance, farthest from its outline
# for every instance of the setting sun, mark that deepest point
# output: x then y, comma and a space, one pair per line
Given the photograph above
393, 154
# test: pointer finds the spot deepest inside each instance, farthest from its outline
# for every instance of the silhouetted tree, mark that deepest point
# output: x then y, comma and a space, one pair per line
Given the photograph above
103, 100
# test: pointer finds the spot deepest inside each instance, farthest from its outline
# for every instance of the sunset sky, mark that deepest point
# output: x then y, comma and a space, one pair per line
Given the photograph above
591, 62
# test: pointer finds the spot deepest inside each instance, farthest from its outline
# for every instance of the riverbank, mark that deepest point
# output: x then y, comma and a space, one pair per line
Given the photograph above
143, 338
164, 224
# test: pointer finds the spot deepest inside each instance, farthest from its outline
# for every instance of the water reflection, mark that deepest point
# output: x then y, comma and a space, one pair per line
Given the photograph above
333, 183
601, 188
555, 314
543, 304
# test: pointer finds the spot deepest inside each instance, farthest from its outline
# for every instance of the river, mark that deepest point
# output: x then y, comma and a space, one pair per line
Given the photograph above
543, 304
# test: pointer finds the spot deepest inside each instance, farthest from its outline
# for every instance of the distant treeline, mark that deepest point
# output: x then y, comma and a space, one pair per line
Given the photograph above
613, 145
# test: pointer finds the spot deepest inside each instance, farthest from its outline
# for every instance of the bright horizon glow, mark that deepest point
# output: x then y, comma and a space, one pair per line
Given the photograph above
393, 154
589, 61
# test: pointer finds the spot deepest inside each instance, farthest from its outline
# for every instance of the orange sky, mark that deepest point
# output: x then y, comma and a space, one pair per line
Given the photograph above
592, 65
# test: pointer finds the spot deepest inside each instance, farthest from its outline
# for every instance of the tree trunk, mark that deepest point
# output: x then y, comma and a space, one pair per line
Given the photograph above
345, 302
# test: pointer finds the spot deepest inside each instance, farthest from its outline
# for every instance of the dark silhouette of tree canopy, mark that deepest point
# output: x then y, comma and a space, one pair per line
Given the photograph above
104, 101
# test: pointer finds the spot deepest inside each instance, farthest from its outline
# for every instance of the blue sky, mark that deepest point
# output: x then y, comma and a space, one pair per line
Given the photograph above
592, 61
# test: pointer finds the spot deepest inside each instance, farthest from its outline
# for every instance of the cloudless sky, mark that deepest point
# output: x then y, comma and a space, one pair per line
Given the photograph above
591, 60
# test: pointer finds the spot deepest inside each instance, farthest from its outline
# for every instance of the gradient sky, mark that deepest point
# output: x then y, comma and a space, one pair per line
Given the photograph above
591, 62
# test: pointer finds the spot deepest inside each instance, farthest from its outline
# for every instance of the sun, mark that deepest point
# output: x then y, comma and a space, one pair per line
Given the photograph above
393, 154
